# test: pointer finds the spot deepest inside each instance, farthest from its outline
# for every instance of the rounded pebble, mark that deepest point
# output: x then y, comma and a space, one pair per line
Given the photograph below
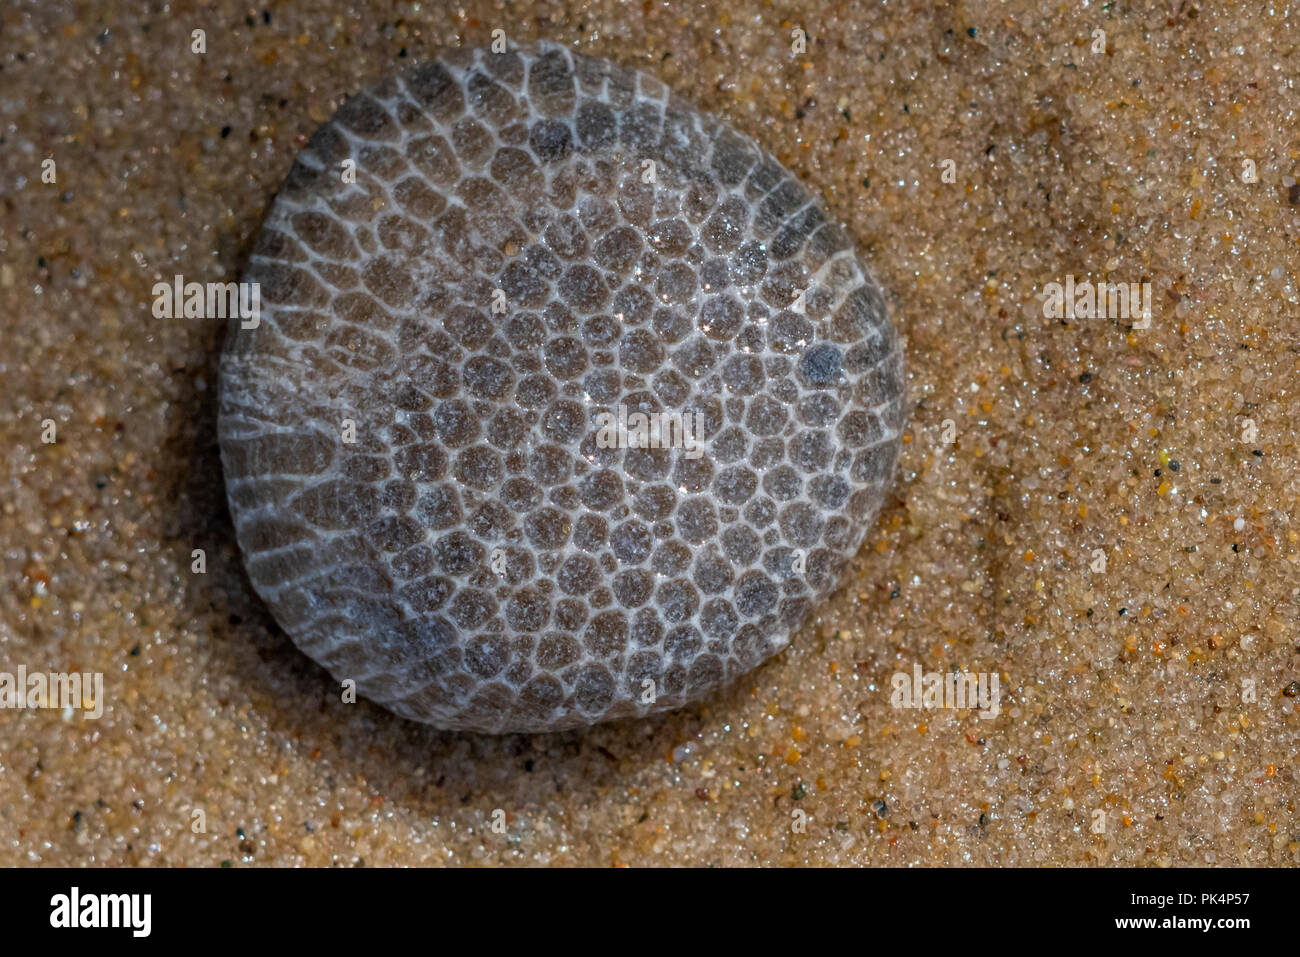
476, 276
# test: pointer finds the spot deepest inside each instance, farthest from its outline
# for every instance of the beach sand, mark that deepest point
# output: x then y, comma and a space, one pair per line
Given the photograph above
1103, 517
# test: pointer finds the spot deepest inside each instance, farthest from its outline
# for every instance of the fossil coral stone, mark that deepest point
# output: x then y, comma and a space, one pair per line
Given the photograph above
412, 437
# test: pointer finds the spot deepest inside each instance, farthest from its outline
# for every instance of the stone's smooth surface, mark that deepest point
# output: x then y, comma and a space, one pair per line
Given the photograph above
488, 554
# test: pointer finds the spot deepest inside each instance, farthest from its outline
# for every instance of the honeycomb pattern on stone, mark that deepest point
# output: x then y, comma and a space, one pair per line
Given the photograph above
465, 267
